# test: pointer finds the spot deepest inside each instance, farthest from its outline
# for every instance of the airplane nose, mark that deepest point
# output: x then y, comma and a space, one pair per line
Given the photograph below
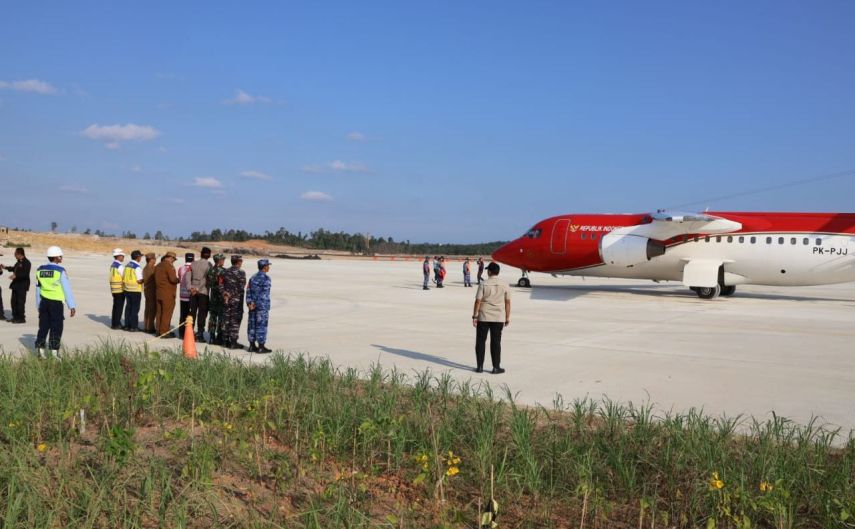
509, 254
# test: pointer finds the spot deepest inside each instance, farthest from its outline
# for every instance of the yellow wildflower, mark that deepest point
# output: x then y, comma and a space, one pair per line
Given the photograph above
765, 486
715, 482
41, 448
227, 426
452, 471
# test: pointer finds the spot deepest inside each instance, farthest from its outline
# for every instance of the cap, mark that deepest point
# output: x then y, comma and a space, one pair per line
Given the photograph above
117, 252
219, 257
170, 254
262, 263
493, 267
54, 251
150, 255
189, 256
236, 258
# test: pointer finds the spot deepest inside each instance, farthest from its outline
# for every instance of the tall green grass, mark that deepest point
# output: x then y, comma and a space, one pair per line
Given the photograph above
168, 442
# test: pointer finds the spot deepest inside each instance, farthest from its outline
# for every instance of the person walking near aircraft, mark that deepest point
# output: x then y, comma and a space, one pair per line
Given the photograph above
184, 293
480, 269
199, 295
214, 282
426, 272
467, 273
19, 286
490, 315
234, 283
166, 281
258, 303
117, 271
132, 282
52, 291
150, 289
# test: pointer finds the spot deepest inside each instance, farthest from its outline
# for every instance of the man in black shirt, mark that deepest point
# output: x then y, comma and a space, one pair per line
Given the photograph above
20, 285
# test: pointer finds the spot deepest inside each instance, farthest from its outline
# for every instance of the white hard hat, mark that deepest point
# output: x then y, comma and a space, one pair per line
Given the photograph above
118, 251
54, 251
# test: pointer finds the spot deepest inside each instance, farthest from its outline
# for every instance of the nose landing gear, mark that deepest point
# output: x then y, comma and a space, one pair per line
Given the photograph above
524, 281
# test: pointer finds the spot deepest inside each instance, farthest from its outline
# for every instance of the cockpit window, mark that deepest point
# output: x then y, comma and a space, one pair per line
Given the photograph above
533, 233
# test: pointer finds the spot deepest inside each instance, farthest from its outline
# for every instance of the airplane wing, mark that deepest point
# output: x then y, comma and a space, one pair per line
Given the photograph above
665, 225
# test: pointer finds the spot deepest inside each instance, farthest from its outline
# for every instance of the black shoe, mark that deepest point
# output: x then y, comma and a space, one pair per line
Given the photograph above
497, 371
235, 346
131, 329
18, 321
200, 338
425, 288
479, 369
116, 327
263, 349
252, 348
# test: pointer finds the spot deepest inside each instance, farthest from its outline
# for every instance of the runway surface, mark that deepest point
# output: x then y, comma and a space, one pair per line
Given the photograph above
788, 350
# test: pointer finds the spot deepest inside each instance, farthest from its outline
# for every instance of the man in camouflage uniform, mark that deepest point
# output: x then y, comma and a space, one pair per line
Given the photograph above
258, 303
214, 280
234, 283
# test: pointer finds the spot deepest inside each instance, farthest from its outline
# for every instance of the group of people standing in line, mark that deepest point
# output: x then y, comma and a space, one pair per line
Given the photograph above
208, 292
439, 271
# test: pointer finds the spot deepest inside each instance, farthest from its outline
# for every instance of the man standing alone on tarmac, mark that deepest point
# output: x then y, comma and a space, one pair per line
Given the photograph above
214, 281
165, 281
199, 292
133, 285
19, 286
258, 303
52, 290
490, 315
480, 270
467, 273
426, 272
234, 283
117, 272
150, 293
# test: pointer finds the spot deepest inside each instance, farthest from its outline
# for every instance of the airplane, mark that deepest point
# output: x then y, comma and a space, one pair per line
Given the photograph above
710, 252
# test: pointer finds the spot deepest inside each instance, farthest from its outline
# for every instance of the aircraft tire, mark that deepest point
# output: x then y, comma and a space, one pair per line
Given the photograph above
524, 283
728, 290
708, 292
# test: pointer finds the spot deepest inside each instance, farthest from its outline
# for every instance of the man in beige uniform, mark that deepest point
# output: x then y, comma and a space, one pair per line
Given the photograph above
491, 314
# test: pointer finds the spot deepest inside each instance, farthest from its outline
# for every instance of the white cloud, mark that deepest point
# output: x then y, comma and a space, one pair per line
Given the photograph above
337, 166
113, 135
29, 85
209, 183
356, 136
256, 175
74, 188
136, 169
316, 196
244, 98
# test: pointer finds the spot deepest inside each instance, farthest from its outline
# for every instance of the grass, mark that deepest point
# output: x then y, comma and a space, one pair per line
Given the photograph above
120, 438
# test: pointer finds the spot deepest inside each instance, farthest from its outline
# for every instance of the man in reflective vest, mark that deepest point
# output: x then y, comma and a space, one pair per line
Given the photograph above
52, 290
132, 283
117, 272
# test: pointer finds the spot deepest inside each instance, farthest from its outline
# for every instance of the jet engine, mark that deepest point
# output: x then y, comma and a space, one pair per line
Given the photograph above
628, 250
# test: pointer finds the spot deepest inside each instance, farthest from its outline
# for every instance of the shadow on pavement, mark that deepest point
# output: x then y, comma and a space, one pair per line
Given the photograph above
105, 320
28, 341
424, 357
567, 293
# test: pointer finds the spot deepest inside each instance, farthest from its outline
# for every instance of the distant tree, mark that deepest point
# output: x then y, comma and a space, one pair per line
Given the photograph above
129, 235
53, 226
147, 236
158, 236
74, 229
88, 231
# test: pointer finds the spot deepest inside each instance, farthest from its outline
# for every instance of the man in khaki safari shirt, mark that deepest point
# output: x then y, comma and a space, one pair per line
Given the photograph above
491, 314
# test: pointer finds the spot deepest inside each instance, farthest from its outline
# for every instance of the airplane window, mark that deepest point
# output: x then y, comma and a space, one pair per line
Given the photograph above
806, 241
819, 242
718, 238
741, 240
533, 233
753, 240
768, 240
584, 237
730, 238
780, 240
593, 236
792, 240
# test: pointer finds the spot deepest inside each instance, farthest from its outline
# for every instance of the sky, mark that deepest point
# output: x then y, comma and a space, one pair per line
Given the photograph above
424, 121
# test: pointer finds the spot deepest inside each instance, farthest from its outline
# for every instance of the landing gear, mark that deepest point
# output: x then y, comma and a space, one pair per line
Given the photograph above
707, 292
524, 281
728, 290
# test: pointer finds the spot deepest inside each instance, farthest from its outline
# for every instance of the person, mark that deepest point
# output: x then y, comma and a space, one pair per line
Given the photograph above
19, 286
2, 310
441, 277
258, 303
467, 273
166, 281
234, 282
184, 293
117, 271
199, 296
150, 289
214, 282
426, 272
480, 270
132, 283
490, 315
52, 290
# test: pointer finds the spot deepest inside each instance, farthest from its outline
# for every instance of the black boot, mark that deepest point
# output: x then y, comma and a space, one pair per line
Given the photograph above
252, 348
235, 345
200, 337
263, 349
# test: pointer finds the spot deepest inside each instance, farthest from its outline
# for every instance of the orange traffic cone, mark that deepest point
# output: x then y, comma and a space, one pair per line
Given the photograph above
189, 339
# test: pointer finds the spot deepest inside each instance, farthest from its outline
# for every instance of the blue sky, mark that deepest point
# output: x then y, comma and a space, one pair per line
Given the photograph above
428, 121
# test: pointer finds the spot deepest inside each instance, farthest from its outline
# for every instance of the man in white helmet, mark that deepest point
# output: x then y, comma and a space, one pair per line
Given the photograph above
52, 290
117, 272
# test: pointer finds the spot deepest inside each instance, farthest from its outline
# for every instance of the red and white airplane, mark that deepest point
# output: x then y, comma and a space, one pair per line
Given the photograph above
710, 252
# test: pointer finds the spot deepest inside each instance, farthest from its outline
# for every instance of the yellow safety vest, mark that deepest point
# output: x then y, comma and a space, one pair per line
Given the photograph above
130, 281
49, 278
115, 278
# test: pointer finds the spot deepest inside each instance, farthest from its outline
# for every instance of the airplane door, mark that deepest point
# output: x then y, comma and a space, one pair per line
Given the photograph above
558, 244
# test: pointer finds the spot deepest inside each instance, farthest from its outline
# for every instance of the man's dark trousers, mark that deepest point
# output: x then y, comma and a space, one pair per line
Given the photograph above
19, 300
183, 312
118, 305
199, 311
2, 311
494, 329
51, 318
133, 300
